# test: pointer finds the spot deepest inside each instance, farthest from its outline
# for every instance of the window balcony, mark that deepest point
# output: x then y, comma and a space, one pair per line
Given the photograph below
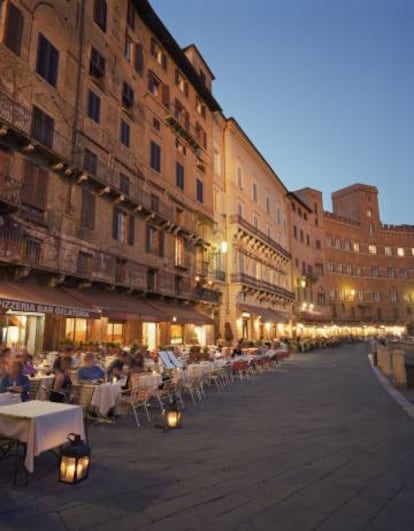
262, 286
10, 194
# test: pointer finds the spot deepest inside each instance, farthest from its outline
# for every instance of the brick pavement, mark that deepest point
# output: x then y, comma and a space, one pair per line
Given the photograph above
317, 445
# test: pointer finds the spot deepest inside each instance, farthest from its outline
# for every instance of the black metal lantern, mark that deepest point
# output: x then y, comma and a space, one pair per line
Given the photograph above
173, 416
74, 460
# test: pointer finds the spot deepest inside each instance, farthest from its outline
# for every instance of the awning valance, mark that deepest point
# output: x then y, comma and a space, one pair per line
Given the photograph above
181, 314
118, 307
267, 314
22, 297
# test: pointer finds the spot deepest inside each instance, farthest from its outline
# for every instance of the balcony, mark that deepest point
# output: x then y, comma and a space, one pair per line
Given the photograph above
11, 240
208, 295
220, 275
18, 120
251, 230
183, 127
10, 194
262, 285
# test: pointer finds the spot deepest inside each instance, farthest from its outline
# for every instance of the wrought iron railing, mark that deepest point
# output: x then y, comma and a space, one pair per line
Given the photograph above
262, 285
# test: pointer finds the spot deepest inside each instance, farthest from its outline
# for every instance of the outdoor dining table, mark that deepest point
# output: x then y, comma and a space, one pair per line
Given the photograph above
105, 395
147, 381
40, 425
6, 399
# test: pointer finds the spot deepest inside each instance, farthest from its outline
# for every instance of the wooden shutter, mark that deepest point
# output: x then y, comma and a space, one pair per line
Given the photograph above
139, 58
166, 95
88, 208
35, 186
14, 29
164, 61
187, 120
131, 230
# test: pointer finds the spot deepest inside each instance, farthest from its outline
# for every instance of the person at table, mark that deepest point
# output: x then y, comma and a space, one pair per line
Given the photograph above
15, 381
237, 351
89, 370
117, 365
62, 383
5, 356
27, 360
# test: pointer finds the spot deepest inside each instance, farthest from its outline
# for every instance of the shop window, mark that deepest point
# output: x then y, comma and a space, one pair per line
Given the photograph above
31, 250
176, 334
47, 64
88, 208
14, 29
43, 127
77, 330
84, 265
115, 332
99, 13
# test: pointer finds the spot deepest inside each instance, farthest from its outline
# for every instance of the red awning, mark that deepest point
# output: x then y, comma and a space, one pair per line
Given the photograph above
181, 314
118, 307
21, 297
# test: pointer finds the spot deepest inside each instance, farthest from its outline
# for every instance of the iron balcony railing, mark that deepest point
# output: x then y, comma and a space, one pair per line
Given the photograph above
262, 285
239, 220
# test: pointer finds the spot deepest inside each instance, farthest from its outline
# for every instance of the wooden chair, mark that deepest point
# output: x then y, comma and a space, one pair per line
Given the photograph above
81, 395
34, 389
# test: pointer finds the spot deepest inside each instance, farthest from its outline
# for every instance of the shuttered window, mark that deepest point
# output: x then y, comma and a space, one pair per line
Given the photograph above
123, 227
88, 208
139, 58
155, 156
43, 127
14, 29
35, 186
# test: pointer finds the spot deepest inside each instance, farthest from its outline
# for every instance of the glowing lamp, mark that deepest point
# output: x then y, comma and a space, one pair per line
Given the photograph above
74, 460
173, 416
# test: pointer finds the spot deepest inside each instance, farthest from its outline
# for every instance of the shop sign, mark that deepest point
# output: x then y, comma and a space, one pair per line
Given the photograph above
32, 307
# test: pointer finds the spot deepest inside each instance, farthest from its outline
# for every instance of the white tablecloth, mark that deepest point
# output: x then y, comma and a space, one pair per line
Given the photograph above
41, 425
6, 399
105, 395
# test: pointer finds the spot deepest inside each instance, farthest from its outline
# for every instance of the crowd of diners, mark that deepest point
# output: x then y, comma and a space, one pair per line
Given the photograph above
17, 367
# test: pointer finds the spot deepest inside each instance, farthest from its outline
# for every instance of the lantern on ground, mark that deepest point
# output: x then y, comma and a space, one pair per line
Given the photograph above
74, 460
173, 416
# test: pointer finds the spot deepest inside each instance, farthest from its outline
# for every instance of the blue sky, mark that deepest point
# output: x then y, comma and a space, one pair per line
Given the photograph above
324, 88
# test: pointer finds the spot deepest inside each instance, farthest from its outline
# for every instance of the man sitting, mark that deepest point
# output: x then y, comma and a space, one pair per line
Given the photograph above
15, 381
90, 371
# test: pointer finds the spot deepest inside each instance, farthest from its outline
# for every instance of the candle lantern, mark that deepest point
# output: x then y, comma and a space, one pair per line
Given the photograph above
74, 460
173, 416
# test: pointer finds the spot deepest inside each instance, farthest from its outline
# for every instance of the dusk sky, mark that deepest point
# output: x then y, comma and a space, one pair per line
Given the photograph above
324, 88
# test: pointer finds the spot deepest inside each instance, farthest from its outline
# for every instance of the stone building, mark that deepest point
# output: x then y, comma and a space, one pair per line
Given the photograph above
369, 266
251, 217
306, 245
105, 177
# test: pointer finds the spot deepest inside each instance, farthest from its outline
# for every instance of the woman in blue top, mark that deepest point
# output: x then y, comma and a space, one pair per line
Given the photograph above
15, 381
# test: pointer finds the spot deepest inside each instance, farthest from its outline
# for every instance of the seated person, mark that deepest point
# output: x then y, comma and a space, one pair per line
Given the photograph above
90, 371
15, 381
62, 382
117, 365
5, 356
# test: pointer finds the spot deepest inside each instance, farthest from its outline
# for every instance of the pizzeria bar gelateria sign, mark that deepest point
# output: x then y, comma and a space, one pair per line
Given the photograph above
34, 307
